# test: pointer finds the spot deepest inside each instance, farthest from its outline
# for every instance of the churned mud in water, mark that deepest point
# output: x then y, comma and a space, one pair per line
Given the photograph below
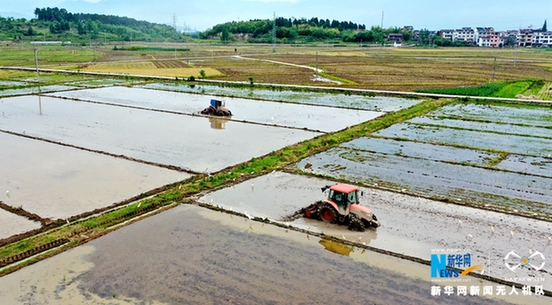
164, 138
189, 255
55, 281
55, 181
409, 225
521, 191
12, 224
273, 113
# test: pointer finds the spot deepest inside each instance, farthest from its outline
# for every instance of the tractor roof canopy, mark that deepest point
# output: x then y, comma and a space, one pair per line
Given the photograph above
343, 188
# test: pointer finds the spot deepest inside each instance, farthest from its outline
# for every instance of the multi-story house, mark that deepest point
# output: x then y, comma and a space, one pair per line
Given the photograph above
447, 34
464, 34
493, 41
542, 39
483, 31
525, 38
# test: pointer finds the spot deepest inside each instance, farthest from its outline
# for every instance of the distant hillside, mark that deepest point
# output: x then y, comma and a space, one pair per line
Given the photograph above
59, 24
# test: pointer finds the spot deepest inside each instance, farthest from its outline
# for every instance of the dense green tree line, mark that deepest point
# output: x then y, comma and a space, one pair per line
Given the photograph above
291, 29
59, 24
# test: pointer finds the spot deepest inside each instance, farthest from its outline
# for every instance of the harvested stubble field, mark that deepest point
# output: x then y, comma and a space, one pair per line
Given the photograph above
377, 68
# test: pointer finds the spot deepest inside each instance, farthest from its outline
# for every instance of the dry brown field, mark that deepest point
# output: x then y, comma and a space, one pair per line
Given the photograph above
400, 69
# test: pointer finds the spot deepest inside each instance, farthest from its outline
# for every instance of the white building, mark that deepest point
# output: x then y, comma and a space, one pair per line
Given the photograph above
542, 39
464, 34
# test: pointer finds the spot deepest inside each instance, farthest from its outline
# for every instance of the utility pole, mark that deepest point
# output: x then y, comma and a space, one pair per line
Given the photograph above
494, 70
38, 76
274, 34
174, 19
382, 13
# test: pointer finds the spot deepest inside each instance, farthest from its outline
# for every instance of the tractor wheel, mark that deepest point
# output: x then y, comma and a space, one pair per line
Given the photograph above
327, 212
356, 224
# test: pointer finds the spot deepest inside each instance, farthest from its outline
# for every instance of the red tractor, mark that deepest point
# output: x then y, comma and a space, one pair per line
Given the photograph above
342, 207
217, 108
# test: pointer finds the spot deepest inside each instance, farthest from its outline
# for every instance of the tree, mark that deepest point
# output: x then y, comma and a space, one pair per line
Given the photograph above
544, 27
225, 36
30, 31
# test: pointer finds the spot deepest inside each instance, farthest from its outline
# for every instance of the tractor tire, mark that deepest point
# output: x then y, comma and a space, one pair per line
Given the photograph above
327, 213
356, 224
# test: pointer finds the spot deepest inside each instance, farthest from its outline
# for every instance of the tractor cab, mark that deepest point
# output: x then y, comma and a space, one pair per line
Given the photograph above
342, 206
217, 108
343, 196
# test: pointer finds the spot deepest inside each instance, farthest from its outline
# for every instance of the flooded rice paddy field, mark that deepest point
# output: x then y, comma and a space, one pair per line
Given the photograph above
298, 116
500, 164
523, 115
408, 223
189, 255
57, 182
373, 103
34, 90
13, 224
164, 138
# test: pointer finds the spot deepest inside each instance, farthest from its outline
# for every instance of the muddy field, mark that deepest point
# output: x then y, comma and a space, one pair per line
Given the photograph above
491, 156
408, 223
189, 255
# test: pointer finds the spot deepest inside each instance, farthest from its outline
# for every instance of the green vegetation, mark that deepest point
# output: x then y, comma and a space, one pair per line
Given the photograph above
504, 89
150, 49
291, 30
61, 25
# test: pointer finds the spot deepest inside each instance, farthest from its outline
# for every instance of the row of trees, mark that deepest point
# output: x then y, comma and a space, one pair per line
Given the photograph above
290, 30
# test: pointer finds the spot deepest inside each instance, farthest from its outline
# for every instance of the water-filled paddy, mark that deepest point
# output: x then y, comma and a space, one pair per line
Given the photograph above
55, 181
408, 223
192, 256
471, 138
533, 116
13, 224
34, 90
488, 161
374, 103
164, 138
272, 113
